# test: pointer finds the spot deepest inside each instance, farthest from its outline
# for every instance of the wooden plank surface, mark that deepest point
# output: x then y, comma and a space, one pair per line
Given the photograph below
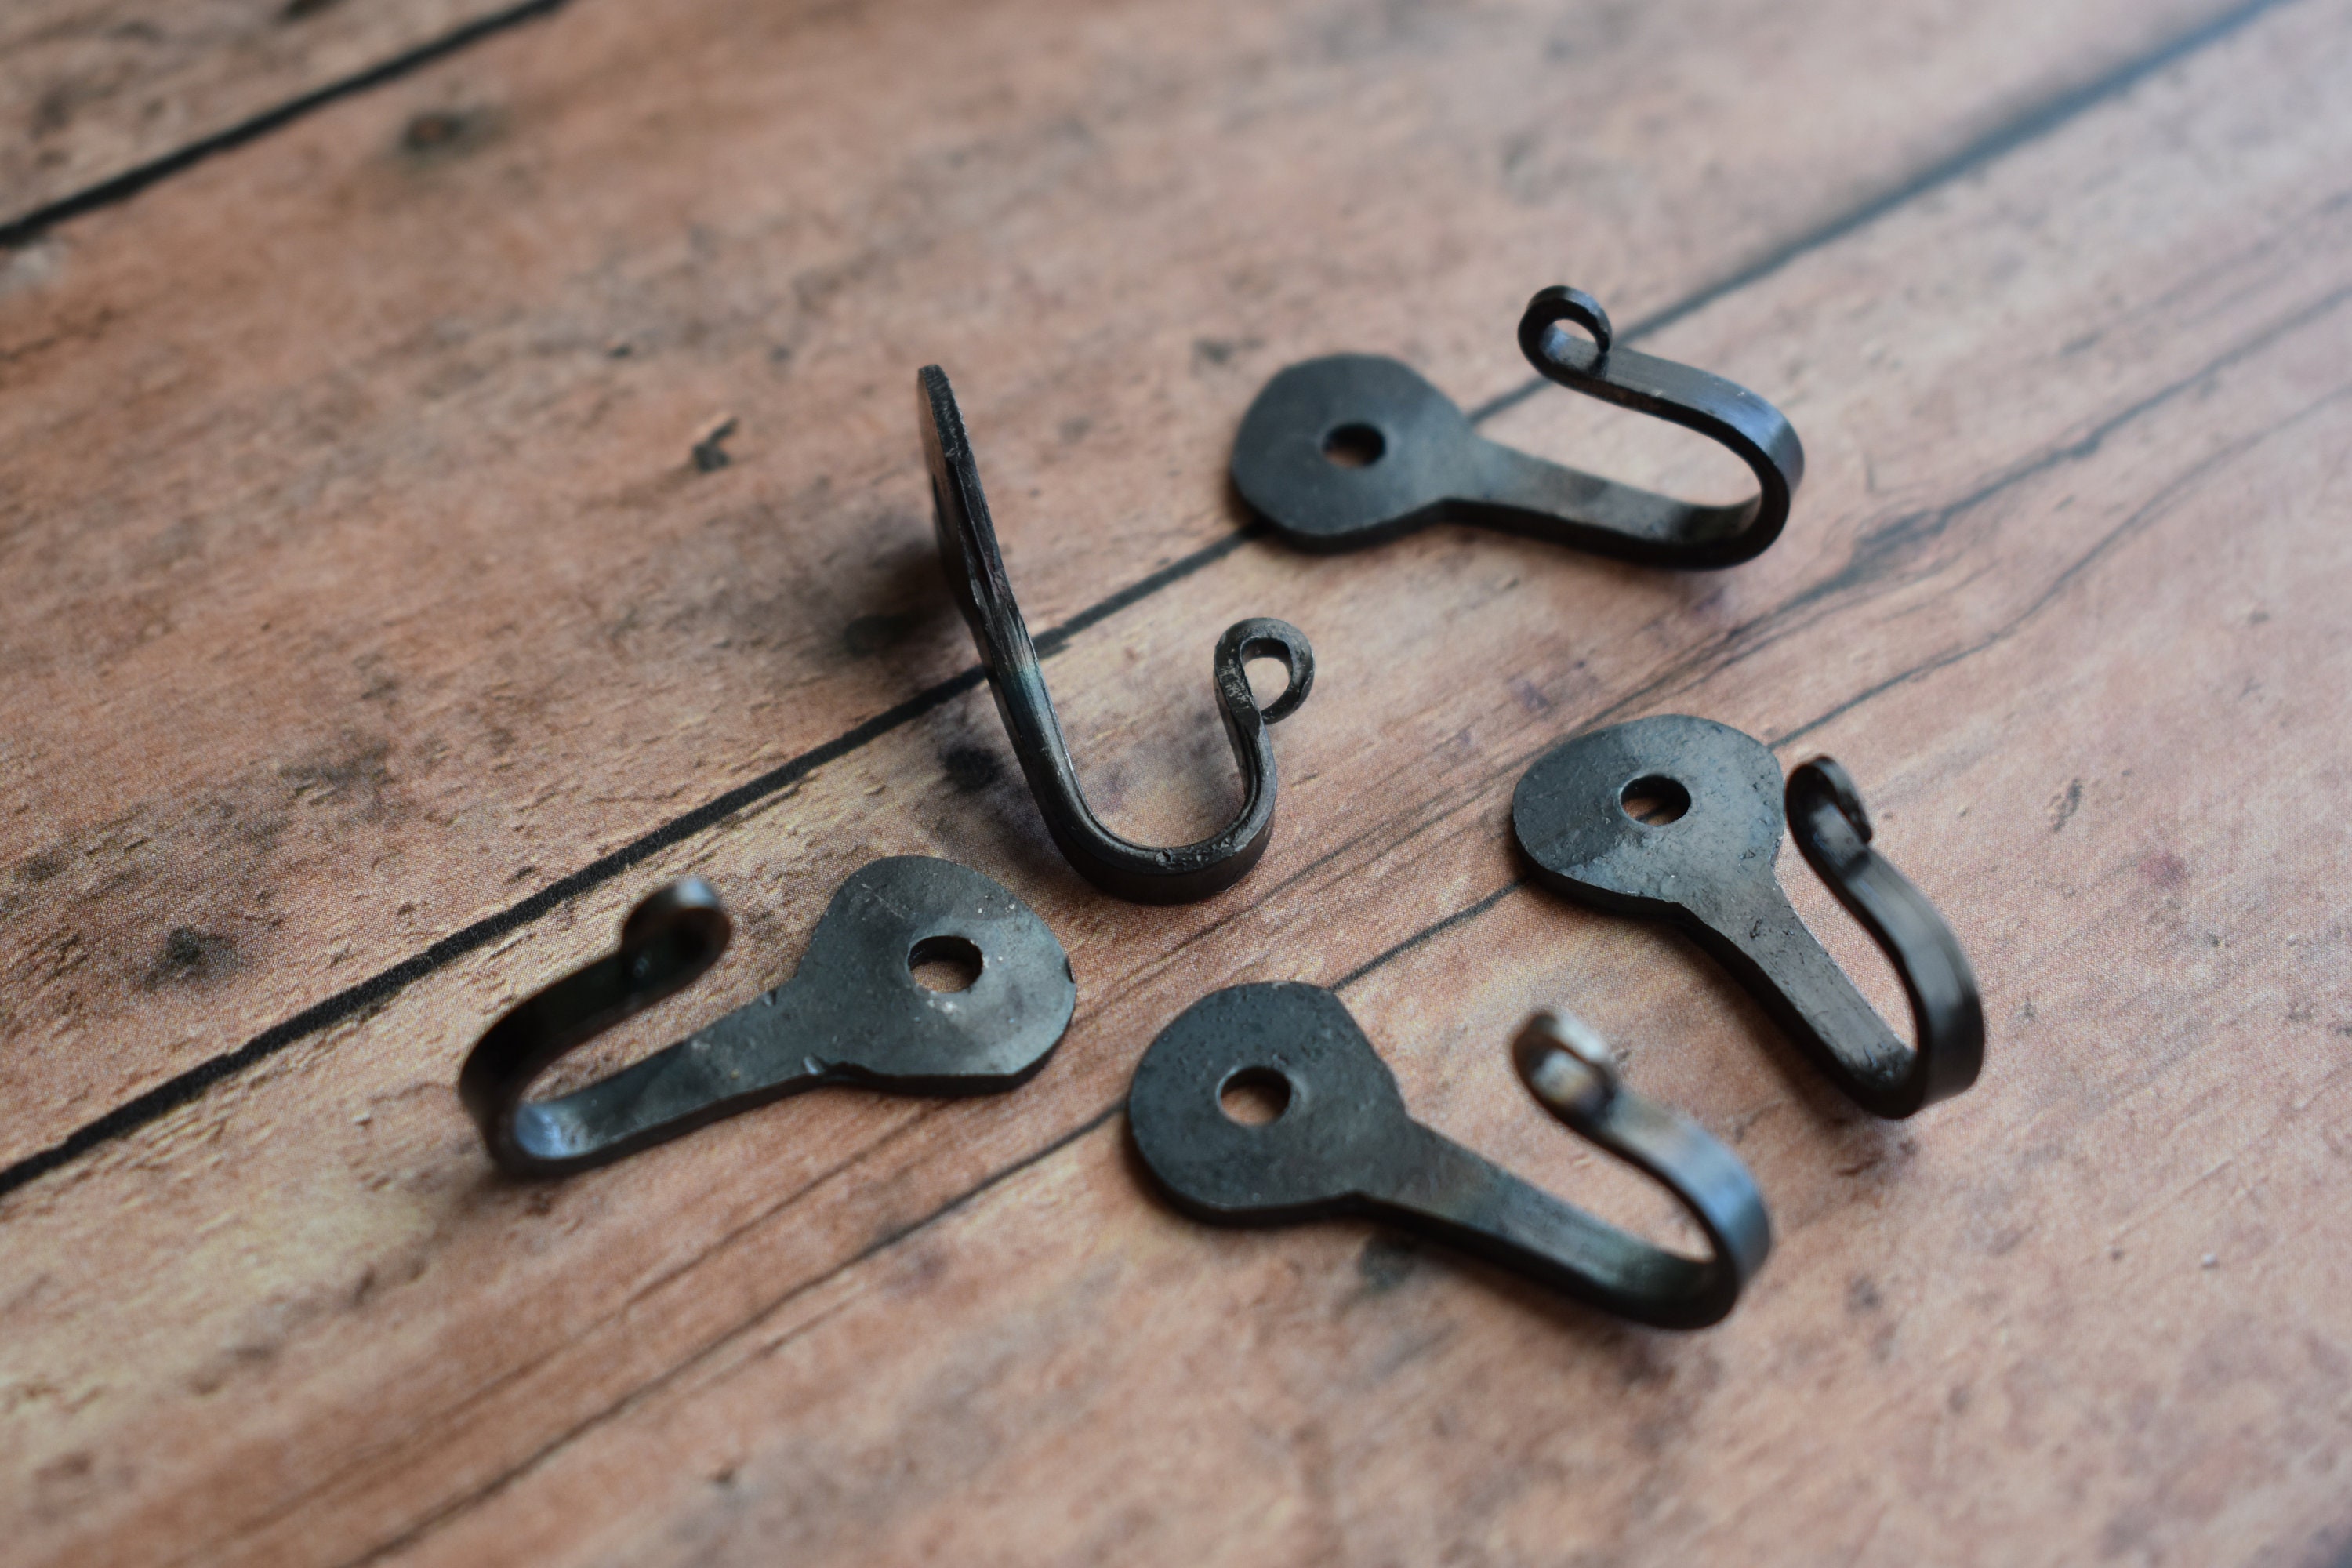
99, 96
390, 481
2064, 588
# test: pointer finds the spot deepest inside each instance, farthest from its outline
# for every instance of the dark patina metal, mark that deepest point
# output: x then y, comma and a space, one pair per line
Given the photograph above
1355, 449
975, 572
1343, 1145
853, 1015
1711, 871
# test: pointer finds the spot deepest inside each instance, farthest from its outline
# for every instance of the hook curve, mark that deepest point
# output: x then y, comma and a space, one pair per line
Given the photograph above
974, 567
1354, 449
1710, 870
853, 1014
1342, 1145
1833, 833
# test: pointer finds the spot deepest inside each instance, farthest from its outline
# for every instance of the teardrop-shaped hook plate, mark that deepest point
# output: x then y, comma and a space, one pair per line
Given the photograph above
1341, 1145
1144, 873
854, 1014
1354, 449
1701, 853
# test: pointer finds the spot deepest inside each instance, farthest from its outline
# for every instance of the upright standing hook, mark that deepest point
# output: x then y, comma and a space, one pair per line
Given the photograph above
1181, 874
1341, 1145
1706, 864
1355, 449
853, 1014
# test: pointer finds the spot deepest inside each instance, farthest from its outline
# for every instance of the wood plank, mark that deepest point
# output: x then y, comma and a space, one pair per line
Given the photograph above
98, 94
2063, 592
368, 589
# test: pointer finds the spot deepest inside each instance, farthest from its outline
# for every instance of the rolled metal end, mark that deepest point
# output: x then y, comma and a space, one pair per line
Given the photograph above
1262, 637
1566, 1064
689, 898
1563, 303
1839, 785
682, 926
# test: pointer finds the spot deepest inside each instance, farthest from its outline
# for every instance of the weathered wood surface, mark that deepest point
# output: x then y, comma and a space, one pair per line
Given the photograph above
94, 91
368, 589
2064, 588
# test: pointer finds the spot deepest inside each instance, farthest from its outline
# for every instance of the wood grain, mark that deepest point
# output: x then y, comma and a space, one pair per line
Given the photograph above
2063, 590
95, 94
368, 589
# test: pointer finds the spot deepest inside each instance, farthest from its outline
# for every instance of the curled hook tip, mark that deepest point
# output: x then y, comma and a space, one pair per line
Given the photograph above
688, 911
1262, 637
1561, 303
1840, 786
1565, 1063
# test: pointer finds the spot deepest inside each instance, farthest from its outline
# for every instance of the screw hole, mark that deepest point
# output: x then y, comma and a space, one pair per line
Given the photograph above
944, 963
1655, 800
1255, 1096
1354, 447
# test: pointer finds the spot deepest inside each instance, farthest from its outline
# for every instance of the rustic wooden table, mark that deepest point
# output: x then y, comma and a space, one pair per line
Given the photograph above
372, 642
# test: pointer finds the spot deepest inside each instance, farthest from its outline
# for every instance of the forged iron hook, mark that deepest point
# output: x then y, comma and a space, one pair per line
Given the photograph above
1180, 874
1354, 449
1710, 870
852, 1015
1341, 1145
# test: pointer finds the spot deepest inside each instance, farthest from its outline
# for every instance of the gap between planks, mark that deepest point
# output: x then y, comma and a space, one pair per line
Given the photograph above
121, 188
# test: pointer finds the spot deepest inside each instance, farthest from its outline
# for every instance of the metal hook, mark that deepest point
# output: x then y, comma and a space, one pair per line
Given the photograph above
1342, 1145
1708, 868
1356, 448
852, 1015
1140, 873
